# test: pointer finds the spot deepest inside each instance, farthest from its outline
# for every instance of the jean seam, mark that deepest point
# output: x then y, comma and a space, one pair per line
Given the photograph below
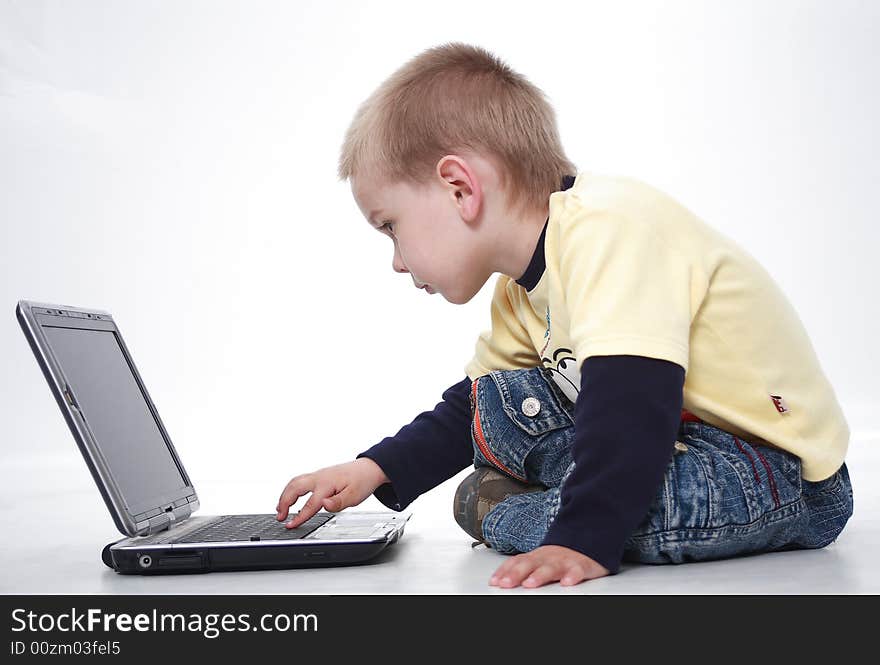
710, 497
768, 518
667, 487
774, 490
752, 499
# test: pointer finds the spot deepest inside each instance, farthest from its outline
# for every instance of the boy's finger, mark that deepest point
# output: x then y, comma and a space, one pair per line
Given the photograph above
312, 506
339, 501
294, 490
285, 504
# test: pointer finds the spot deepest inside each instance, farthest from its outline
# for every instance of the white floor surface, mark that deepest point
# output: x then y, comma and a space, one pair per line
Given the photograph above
55, 525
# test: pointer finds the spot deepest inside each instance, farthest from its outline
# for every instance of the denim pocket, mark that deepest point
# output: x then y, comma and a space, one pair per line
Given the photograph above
520, 426
721, 497
727, 481
523, 391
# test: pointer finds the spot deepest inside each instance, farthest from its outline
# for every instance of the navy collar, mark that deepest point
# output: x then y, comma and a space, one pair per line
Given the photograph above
529, 279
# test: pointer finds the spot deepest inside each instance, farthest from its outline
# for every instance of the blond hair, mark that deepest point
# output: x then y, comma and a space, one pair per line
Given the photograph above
451, 98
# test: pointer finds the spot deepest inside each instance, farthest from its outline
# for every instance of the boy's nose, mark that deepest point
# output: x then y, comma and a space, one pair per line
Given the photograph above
397, 264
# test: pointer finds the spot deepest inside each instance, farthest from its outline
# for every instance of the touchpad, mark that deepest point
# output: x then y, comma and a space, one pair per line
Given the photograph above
360, 526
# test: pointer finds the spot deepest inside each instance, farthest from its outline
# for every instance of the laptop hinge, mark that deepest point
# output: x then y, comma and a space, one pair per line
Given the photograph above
170, 517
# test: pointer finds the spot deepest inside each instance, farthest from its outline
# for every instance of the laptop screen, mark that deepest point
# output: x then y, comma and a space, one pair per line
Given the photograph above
117, 413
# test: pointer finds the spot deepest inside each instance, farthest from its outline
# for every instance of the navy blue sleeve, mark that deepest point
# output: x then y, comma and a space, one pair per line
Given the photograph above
432, 448
627, 417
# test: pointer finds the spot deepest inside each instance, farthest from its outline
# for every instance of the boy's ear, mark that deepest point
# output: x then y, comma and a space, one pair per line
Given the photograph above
462, 184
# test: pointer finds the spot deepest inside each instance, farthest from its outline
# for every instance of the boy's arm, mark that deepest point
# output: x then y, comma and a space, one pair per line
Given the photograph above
432, 448
627, 418
631, 296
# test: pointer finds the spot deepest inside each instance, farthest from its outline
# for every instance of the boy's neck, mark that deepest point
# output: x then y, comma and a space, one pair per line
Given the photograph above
515, 243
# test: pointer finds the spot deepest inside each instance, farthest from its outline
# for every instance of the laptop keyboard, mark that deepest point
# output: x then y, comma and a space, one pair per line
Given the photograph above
246, 528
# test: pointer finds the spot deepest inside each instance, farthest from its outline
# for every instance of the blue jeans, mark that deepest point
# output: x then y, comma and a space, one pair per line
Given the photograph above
720, 496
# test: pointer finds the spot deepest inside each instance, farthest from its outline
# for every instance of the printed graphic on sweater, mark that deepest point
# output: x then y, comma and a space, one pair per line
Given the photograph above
563, 368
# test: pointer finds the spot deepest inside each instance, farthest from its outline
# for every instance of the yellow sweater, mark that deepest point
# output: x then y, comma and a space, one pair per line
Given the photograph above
629, 271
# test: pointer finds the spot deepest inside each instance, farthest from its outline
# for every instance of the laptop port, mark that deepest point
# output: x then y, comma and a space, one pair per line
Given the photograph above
145, 561
181, 562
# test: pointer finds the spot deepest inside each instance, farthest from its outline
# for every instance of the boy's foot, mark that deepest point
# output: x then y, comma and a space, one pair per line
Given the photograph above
479, 493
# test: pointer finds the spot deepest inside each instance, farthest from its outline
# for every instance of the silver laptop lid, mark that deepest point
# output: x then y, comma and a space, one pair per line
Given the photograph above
110, 414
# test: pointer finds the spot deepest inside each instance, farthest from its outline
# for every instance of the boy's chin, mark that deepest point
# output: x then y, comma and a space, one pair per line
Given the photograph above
455, 300
460, 296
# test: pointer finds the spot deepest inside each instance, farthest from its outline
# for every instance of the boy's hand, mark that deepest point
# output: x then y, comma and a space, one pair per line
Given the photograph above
548, 563
334, 488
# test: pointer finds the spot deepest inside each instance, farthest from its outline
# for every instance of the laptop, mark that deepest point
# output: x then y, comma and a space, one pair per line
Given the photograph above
146, 489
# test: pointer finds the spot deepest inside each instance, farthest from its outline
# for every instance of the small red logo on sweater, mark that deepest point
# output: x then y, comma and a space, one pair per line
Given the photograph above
779, 403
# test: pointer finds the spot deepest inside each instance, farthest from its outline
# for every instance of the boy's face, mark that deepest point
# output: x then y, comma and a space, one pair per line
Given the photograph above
432, 233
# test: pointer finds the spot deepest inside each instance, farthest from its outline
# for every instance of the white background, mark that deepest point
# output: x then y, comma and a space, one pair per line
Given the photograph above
174, 163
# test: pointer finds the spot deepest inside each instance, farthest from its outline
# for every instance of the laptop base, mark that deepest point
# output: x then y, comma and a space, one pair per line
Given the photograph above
201, 559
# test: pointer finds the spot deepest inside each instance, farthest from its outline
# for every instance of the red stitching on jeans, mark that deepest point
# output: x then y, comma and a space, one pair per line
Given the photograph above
770, 478
477, 431
751, 459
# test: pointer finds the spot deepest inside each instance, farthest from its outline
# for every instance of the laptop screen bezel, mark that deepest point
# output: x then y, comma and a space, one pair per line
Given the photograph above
130, 518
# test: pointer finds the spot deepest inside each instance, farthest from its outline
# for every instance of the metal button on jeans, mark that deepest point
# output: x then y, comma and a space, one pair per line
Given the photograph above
531, 406
680, 446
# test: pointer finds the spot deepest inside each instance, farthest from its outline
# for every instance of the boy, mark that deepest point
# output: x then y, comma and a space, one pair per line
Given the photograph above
645, 392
